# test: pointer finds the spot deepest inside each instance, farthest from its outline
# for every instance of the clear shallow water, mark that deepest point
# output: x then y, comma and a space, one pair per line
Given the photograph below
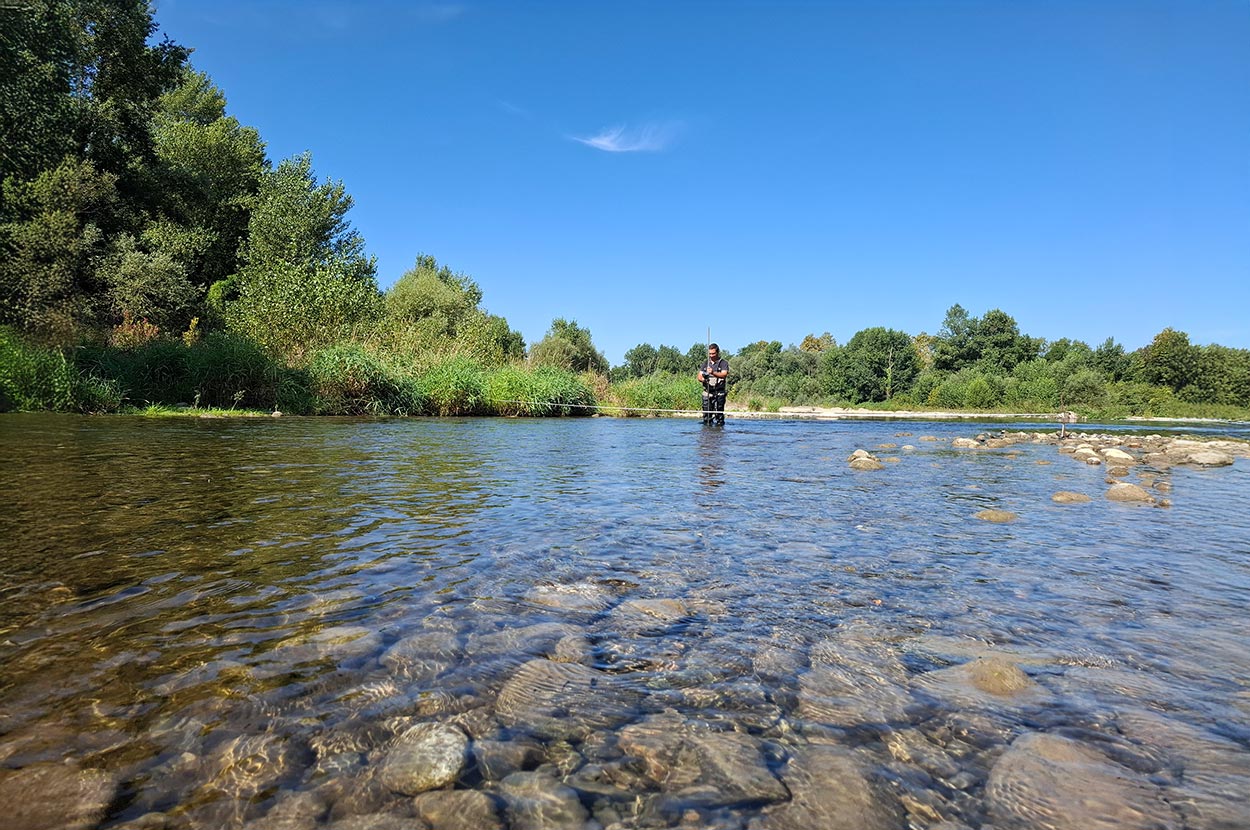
235, 619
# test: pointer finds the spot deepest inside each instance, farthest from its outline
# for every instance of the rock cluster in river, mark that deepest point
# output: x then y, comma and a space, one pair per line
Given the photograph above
1149, 458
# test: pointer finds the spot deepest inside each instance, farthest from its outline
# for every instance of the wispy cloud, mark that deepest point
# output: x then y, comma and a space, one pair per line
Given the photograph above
512, 109
648, 138
439, 12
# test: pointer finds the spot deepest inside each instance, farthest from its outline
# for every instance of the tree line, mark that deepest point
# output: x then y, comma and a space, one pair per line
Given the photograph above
976, 363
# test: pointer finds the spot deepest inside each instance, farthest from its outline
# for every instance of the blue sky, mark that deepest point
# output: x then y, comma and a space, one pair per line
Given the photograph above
773, 169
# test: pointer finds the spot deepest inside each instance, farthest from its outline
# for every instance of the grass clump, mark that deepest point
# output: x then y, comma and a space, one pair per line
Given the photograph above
546, 390
33, 377
657, 392
347, 379
456, 386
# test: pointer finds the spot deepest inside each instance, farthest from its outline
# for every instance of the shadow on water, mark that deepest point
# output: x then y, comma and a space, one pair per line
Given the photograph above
633, 623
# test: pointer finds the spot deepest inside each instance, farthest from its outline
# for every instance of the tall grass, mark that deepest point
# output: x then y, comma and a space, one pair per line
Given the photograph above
517, 391
454, 387
33, 377
657, 392
347, 379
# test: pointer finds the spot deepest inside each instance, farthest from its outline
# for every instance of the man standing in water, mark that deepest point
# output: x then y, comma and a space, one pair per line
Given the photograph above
712, 376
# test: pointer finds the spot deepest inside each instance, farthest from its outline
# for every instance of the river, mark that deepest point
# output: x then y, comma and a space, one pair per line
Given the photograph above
610, 623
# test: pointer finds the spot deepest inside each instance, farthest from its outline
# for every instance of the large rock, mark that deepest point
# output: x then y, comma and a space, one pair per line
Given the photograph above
564, 700
699, 765
1057, 783
536, 801
1118, 457
55, 797
1209, 458
423, 657
458, 810
985, 682
575, 597
1068, 497
426, 757
1123, 491
866, 464
853, 682
963, 443
1214, 771
997, 516
831, 790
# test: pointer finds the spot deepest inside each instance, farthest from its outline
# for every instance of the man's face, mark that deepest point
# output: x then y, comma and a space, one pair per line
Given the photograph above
713, 354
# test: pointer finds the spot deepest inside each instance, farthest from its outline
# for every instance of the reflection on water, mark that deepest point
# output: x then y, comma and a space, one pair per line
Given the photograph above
208, 623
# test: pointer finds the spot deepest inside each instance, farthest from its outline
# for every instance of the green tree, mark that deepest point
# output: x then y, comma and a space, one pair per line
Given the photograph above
993, 342
812, 343
875, 364
208, 175
569, 346
640, 361
306, 280
428, 292
1112, 361
39, 46
955, 347
1170, 360
48, 280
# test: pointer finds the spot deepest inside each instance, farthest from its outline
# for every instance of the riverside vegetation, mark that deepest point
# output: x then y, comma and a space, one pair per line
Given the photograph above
152, 256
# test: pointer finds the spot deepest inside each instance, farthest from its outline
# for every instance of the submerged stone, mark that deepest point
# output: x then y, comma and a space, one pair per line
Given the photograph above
426, 757
707, 767
458, 810
997, 516
536, 801
1072, 786
1068, 497
831, 790
563, 700
60, 796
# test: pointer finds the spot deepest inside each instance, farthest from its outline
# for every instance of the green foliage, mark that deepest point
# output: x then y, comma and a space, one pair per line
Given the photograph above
874, 365
1170, 360
208, 174
992, 342
48, 280
645, 359
303, 266
516, 391
568, 346
823, 343
658, 391
455, 387
1085, 387
347, 379
33, 377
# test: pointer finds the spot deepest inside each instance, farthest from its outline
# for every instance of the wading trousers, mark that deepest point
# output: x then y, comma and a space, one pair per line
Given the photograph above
714, 406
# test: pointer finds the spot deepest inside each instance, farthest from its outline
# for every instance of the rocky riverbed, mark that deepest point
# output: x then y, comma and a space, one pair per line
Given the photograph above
924, 632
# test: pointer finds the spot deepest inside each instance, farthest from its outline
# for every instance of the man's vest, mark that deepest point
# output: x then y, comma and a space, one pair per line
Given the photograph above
710, 382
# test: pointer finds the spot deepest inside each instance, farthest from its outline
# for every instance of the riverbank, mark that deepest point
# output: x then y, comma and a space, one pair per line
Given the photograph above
837, 412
